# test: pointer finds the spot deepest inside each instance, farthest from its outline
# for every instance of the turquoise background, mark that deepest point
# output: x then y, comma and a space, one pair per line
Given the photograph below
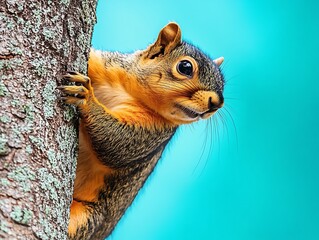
250, 174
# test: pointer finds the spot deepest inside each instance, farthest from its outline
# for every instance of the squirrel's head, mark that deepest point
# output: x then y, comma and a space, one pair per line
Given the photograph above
183, 84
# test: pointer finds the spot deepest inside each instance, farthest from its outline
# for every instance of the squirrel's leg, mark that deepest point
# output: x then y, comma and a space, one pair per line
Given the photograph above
115, 142
79, 95
79, 213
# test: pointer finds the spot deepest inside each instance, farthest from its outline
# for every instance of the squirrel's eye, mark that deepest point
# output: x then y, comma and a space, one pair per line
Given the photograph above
185, 67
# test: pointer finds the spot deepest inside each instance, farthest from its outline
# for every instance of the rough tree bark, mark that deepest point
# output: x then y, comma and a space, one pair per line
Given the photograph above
39, 41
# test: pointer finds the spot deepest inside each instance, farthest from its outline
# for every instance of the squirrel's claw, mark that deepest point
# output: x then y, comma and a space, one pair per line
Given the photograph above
77, 94
72, 100
72, 72
77, 77
79, 90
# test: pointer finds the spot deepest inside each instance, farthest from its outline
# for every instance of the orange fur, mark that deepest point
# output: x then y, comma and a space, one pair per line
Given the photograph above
119, 91
78, 216
90, 171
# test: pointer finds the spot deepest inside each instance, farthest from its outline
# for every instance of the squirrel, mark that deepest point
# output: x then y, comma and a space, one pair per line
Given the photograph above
130, 106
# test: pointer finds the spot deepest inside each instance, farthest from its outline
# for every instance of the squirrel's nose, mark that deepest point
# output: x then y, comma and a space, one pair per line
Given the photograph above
209, 101
214, 103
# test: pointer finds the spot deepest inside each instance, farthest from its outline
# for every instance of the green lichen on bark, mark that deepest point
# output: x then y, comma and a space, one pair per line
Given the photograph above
64, 137
49, 98
39, 66
5, 119
52, 157
69, 113
4, 149
4, 181
22, 175
4, 227
21, 215
22, 178
3, 88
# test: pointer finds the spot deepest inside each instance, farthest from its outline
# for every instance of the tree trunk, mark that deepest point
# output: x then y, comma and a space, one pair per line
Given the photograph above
39, 41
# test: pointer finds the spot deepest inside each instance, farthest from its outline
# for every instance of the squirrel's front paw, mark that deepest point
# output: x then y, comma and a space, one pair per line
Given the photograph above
77, 95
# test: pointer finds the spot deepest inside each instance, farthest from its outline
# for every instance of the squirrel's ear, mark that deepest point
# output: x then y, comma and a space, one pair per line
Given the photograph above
219, 61
168, 38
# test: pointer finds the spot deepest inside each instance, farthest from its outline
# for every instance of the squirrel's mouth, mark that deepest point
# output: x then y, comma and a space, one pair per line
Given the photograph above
194, 115
188, 112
